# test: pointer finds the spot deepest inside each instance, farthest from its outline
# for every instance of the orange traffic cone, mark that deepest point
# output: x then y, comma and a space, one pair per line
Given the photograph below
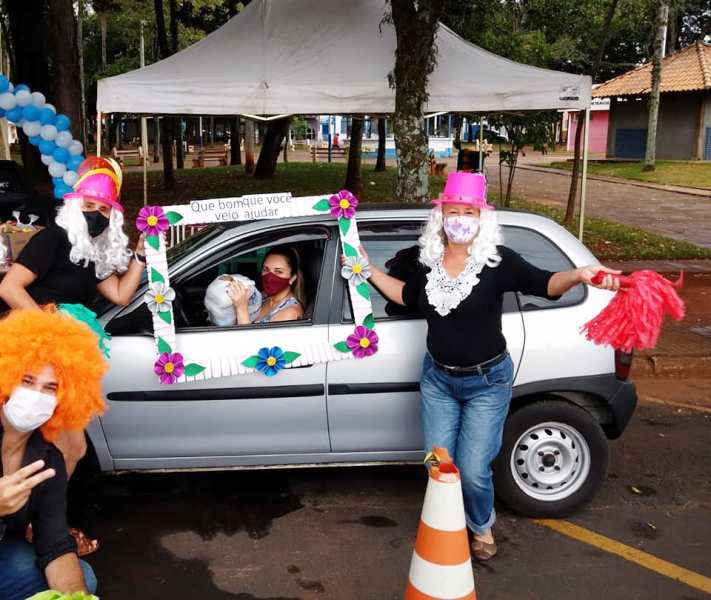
441, 564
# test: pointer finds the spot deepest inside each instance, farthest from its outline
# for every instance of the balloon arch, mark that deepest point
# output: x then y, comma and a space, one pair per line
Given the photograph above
46, 130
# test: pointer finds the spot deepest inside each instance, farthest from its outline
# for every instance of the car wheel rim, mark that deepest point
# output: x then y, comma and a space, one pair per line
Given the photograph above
550, 461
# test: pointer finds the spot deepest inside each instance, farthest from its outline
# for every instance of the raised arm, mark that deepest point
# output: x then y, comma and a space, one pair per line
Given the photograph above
562, 281
389, 286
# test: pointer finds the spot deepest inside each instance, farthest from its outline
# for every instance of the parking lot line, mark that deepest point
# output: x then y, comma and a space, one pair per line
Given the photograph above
648, 561
696, 407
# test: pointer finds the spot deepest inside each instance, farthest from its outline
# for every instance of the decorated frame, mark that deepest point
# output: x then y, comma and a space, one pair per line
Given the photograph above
172, 365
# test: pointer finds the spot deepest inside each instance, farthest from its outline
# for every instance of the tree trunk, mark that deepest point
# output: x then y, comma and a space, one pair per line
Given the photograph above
102, 25
271, 146
249, 146
354, 181
167, 122
179, 152
573, 191
380, 161
235, 141
659, 41
28, 21
156, 139
65, 62
415, 29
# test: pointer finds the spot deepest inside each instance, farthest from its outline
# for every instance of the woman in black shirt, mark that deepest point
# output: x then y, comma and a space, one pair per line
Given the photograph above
467, 372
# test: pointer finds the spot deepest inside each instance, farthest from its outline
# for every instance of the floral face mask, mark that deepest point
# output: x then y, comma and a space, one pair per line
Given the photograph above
461, 229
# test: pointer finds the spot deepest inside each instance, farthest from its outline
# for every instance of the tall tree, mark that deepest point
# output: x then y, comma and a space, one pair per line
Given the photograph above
177, 121
380, 161
659, 42
277, 130
415, 25
354, 180
166, 123
248, 146
573, 190
235, 140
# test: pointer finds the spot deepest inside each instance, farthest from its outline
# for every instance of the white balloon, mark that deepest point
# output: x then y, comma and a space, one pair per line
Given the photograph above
63, 139
8, 101
75, 148
11, 87
38, 99
70, 178
50, 107
24, 98
57, 169
32, 128
48, 132
47, 159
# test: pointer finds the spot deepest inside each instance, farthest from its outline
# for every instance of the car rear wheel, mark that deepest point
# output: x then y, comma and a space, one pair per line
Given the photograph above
553, 459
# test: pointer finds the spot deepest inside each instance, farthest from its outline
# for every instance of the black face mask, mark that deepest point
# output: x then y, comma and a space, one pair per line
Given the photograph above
96, 222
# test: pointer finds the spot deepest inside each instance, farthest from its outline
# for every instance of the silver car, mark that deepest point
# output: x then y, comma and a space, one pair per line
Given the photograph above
569, 397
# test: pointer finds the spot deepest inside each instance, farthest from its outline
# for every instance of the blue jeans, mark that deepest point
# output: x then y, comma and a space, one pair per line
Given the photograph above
466, 415
20, 577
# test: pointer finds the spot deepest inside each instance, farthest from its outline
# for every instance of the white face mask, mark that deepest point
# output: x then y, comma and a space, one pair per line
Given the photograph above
461, 229
27, 410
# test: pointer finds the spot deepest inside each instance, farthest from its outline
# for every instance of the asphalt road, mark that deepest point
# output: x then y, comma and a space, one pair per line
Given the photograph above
348, 533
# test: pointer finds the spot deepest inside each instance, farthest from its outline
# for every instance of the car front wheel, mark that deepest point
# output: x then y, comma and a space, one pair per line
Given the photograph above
553, 459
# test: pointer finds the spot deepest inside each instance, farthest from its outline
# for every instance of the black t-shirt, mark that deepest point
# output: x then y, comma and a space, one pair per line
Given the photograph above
59, 280
471, 332
47, 507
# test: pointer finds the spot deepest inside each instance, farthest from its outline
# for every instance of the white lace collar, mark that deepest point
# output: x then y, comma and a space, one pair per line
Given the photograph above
445, 293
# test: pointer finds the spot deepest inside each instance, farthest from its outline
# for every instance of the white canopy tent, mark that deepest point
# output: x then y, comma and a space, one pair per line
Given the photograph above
283, 57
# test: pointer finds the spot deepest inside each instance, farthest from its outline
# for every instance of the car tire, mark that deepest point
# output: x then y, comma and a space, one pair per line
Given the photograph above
553, 459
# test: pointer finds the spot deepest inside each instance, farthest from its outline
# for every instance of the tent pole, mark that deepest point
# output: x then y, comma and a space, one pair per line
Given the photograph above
98, 133
481, 144
144, 144
584, 186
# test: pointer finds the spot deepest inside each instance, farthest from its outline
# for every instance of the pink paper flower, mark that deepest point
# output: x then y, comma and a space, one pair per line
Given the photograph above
362, 342
343, 204
152, 220
169, 367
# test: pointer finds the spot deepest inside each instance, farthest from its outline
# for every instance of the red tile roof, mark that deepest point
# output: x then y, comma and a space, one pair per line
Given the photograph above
687, 70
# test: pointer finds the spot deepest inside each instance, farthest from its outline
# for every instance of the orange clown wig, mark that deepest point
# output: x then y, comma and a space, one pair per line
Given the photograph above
31, 339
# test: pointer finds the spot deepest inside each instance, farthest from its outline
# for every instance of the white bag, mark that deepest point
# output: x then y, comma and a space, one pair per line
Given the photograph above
219, 303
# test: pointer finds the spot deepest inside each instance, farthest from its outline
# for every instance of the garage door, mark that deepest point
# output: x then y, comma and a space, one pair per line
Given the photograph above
630, 143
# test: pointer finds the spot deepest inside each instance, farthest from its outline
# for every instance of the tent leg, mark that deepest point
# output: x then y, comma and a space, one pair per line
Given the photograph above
584, 184
98, 134
481, 144
144, 145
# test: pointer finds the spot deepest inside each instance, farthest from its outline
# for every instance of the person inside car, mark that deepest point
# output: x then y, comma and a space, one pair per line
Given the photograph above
49, 385
282, 286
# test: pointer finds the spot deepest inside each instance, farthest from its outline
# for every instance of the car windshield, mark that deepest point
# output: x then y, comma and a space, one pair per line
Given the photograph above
192, 242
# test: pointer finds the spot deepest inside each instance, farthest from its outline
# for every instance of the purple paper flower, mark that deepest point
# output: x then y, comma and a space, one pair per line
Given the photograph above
169, 367
152, 220
343, 204
362, 342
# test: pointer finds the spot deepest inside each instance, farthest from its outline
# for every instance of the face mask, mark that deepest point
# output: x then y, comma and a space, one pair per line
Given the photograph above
273, 284
96, 222
27, 410
461, 229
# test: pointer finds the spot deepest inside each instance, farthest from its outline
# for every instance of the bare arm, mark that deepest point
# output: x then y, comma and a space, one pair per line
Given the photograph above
13, 288
291, 313
562, 281
64, 574
120, 290
389, 286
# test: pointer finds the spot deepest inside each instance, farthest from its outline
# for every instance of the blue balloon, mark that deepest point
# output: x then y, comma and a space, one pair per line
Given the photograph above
2, 112
35, 140
62, 123
46, 116
61, 155
59, 193
47, 147
74, 163
4, 84
58, 181
22, 86
30, 113
14, 115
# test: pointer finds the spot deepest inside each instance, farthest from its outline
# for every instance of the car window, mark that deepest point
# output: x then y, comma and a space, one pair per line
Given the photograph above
245, 258
393, 247
545, 254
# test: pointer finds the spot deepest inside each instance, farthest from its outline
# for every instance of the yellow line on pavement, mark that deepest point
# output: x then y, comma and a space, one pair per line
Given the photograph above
648, 561
653, 400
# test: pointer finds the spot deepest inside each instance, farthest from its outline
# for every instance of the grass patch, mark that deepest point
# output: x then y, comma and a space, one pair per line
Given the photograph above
607, 239
670, 172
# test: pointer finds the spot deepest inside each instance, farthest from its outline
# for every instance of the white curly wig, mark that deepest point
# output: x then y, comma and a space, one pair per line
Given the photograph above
109, 251
483, 247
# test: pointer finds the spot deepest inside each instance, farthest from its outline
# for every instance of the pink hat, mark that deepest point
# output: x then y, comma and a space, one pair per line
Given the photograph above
464, 188
97, 185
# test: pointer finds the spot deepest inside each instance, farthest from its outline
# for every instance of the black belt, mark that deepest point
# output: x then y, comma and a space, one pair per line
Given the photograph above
481, 369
